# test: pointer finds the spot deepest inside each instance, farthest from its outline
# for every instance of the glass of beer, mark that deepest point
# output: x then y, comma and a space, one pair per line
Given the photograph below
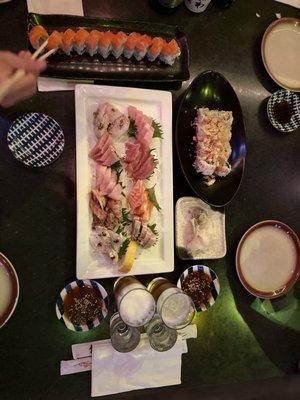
175, 308
135, 304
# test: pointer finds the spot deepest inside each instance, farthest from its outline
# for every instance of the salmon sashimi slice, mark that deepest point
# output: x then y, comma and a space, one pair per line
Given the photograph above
138, 201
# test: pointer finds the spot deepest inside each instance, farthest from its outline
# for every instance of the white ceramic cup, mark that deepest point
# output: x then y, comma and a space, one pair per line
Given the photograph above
197, 6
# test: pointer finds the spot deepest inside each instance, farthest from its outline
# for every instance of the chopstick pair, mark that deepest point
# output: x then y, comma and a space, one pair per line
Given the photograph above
20, 73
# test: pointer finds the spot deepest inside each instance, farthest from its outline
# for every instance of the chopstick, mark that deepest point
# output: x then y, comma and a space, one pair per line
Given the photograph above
20, 73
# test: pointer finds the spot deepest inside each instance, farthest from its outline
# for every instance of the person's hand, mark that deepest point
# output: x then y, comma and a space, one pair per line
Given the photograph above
26, 86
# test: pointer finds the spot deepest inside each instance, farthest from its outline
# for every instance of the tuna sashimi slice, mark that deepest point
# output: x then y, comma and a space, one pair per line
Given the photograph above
139, 161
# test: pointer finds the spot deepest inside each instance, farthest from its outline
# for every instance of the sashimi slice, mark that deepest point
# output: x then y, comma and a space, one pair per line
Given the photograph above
104, 152
116, 193
143, 125
138, 201
106, 183
139, 161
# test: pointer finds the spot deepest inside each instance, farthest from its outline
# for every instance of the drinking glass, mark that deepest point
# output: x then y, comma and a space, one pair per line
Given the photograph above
161, 337
175, 308
134, 303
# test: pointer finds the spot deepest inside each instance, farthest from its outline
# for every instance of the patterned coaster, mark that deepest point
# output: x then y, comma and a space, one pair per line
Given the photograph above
35, 139
284, 111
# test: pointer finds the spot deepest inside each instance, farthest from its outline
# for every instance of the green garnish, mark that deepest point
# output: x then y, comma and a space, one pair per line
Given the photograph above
153, 229
117, 167
132, 130
157, 129
123, 247
152, 198
125, 217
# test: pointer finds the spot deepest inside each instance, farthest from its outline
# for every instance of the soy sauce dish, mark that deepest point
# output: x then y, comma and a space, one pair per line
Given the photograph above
9, 290
210, 90
82, 305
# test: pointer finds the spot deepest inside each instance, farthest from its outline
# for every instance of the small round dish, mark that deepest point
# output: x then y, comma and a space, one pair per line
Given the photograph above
35, 139
268, 259
215, 285
71, 287
283, 110
280, 51
9, 280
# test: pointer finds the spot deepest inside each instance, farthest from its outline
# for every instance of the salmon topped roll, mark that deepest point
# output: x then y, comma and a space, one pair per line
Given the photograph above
117, 43
142, 47
79, 40
91, 43
156, 47
54, 41
104, 44
129, 45
68, 41
37, 36
170, 52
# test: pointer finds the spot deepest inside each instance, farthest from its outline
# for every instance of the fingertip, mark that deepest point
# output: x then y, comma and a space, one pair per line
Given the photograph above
42, 65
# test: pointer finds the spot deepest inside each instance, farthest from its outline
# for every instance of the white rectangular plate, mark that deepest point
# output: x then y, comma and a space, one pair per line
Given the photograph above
158, 105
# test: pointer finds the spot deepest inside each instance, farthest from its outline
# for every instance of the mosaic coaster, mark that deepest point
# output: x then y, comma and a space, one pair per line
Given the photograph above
35, 139
284, 105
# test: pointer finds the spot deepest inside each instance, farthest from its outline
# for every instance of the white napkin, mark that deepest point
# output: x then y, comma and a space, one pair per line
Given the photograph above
114, 372
293, 3
70, 7
56, 85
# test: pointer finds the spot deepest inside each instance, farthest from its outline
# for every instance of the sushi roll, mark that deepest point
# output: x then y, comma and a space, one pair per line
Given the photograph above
68, 41
91, 42
117, 43
130, 44
156, 47
79, 40
142, 47
54, 41
37, 36
170, 52
104, 44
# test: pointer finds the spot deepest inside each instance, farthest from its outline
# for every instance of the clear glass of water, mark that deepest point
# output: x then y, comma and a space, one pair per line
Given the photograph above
161, 337
124, 338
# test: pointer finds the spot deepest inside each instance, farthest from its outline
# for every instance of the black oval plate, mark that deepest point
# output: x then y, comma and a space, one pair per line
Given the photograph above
210, 89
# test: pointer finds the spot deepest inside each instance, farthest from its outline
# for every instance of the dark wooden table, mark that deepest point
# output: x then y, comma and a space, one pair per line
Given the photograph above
238, 354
